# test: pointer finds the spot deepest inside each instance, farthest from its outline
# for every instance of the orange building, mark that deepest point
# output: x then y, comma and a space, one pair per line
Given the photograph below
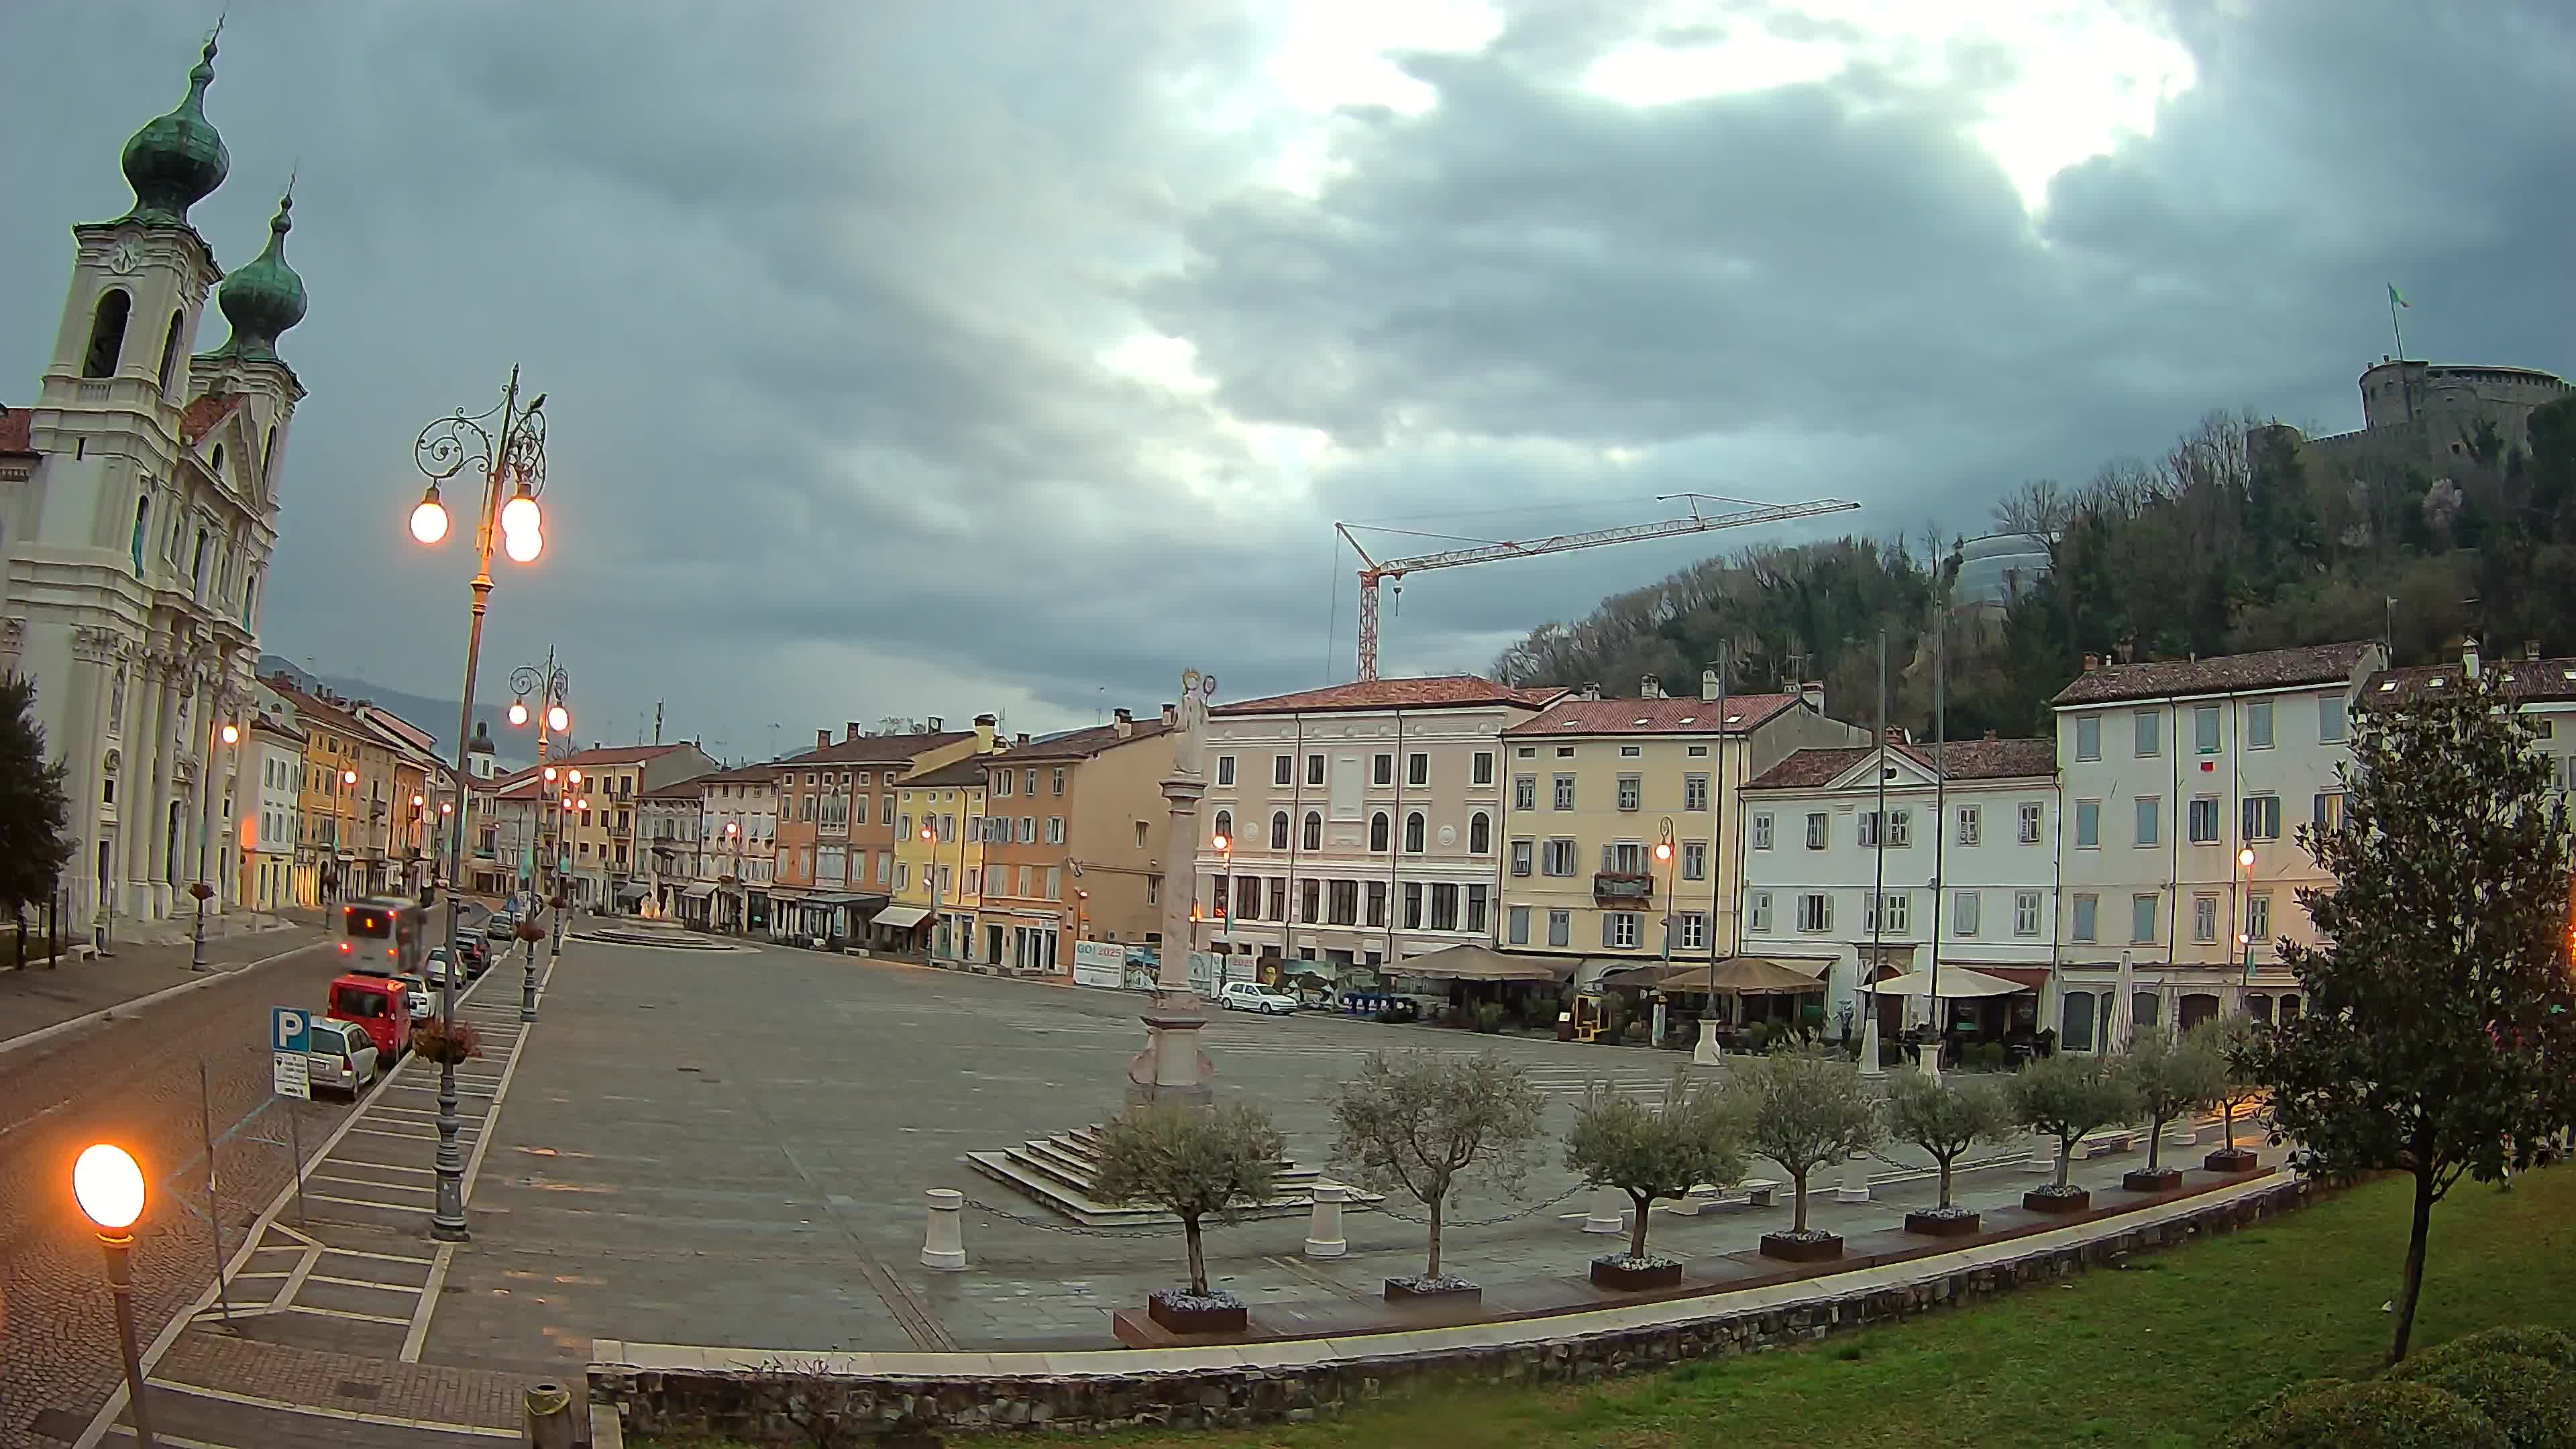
836, 809
1074, 828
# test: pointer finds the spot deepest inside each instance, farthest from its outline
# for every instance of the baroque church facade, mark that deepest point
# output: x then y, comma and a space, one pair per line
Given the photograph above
140, 507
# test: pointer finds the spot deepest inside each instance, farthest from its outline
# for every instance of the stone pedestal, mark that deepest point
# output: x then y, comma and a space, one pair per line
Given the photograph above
1324, 1224
1855, 1184
1707, 1053
943, 1246
1609, 1212
1171, 1068
1869, 1066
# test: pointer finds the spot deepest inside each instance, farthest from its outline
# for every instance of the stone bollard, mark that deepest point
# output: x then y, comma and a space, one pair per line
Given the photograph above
1324, 1225
550, 1422
1855, 1187
2182, 1134
1609, 1212
944, 1246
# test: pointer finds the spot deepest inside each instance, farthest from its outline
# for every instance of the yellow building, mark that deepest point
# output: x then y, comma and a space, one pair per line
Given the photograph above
1595, 785
940, 877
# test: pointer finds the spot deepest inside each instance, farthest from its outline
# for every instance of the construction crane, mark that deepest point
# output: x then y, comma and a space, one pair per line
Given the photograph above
1372, 571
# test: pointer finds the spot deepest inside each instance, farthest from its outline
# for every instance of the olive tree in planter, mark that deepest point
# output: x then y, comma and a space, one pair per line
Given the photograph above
1945, 1116
2168, 1077
1649, 1153
1804, 1110
2066, 1097
2233, 1039
1195, 1163
1423, 1124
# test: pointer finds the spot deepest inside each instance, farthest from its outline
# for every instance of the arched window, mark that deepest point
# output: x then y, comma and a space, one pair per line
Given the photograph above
197, 562
170, 348
1279, 830
1225, 824
268, 455
107, 334
1413, 832
1377, 831
1314, 830
142, 515
1480, 833
218, 465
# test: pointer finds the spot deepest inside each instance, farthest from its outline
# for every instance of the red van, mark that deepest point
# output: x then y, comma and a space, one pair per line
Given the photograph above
378, 1005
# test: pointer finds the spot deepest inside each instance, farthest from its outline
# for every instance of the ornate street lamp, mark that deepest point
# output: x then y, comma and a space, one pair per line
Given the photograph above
109, 1188
505, 447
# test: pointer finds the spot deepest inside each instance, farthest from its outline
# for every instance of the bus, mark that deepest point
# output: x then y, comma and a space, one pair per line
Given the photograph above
383, 936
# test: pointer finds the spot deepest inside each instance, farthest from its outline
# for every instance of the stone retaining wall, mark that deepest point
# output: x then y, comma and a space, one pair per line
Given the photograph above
757, 1404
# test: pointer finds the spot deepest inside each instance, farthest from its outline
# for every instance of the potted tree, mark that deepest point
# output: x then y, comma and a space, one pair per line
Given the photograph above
1423, 1124
1195, 1163
2233, 1039
1803, 1110
1650, 1153
2167, 1077
2065, 1097
1945, 1117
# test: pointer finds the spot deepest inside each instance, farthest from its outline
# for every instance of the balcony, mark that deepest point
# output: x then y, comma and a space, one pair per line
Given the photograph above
1622, 888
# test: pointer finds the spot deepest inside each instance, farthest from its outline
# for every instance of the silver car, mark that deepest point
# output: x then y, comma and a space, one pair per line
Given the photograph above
340, 1057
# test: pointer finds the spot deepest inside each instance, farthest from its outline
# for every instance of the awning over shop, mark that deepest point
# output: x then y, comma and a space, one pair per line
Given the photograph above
1956, 982
902, 917
829, 902
697, 892
1475, 963
1745, 976
632, 893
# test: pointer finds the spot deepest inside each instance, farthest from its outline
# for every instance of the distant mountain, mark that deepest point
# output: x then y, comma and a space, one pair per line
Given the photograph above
438, 716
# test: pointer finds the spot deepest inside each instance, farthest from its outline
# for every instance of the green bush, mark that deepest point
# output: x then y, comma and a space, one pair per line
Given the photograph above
1488, 1016
2525, 1340
2528, 1398
1757, 1038
2377, 1415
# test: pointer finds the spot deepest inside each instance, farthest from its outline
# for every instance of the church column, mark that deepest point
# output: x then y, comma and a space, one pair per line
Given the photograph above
165, 788
85, 747
135, 792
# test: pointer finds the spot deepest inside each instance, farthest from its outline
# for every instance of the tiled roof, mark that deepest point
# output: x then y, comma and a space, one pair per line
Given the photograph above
337, 716
1655, 716
692, 788
615, 755
1438, 691
874, 749
1079, 744
763, 773
2268, 669
1960, 760
17, 430
270, 725
968, 772
2525, 680
208, 413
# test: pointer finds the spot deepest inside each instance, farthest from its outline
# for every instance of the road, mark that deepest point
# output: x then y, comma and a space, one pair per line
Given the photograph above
137, 1082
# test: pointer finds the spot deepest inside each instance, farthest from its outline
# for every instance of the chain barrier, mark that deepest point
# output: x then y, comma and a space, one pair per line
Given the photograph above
1522, 1212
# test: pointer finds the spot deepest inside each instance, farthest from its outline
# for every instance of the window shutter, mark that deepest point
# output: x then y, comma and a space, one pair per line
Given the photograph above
1605, 928
1607, 858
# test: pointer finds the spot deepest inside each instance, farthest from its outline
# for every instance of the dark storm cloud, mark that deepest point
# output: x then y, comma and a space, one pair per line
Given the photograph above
818, 294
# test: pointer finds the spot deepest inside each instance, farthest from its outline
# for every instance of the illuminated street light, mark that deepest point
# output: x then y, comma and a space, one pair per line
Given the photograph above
231, 734
429, 520
558, 719
518, 711
108, 1185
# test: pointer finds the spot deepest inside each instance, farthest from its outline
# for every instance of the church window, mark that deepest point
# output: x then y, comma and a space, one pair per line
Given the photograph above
142, 513
170, 349
197, 565
268, 456
218, 468
107, 334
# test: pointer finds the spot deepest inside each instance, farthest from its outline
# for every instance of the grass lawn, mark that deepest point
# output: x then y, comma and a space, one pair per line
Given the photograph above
2161, 1355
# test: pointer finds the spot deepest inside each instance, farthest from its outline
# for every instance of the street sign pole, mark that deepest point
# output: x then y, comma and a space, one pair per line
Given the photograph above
295, 1144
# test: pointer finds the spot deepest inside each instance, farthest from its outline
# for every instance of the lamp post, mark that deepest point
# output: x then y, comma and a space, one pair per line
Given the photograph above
2244, 907
930, 880
550, 686
348, 782
231, 736
512, 469
109, 1187
733, 838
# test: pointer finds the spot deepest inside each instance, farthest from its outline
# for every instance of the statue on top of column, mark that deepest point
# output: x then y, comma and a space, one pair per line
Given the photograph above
1192, 721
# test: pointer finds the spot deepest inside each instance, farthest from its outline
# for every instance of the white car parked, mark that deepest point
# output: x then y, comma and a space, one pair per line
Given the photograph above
340, 1057
1253, 996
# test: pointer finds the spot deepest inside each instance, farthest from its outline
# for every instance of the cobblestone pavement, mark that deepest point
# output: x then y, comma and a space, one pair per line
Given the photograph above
40, 996
135, 1081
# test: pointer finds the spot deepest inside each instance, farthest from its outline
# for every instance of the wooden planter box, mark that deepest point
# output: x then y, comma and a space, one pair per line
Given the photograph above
1613, 1274
2230, 1159
2049, 1202
1801, 1250
1196, 1316
2163, 1179
1937, 1225
1409, 1290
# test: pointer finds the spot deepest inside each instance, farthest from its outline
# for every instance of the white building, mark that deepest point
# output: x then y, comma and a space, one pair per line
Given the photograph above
273, 755
737, 865
1318, 792
2185, 782
670, 826
1967, 858
138, 508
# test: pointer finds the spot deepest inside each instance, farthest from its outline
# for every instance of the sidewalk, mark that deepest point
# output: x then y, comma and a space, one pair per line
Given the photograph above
37, 997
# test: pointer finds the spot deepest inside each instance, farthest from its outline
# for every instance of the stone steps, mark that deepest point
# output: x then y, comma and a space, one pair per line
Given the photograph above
1059, 1172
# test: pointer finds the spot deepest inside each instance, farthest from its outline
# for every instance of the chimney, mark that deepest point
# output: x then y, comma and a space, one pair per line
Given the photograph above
1896, 734
2531, 649
1813, 692
1590, 691
850, 731
1650, 688
2469, 657
1708, 684
1124, 721
1990, 734
2092, 662
822, 738
1171, 716
934, 725
1021, 738
986, 727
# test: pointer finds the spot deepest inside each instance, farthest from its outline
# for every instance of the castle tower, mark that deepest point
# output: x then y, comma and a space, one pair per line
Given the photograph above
136, 543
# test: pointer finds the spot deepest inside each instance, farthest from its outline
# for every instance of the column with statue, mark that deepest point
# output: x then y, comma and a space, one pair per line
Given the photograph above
1173, 1067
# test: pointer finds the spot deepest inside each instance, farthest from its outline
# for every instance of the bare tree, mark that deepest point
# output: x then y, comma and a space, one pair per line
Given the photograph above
1423, 1124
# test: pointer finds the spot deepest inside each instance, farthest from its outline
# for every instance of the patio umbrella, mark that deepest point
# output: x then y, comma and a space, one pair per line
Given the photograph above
2123, 1015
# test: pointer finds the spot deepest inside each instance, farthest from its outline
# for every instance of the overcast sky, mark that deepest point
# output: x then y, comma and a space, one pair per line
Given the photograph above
914, 357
